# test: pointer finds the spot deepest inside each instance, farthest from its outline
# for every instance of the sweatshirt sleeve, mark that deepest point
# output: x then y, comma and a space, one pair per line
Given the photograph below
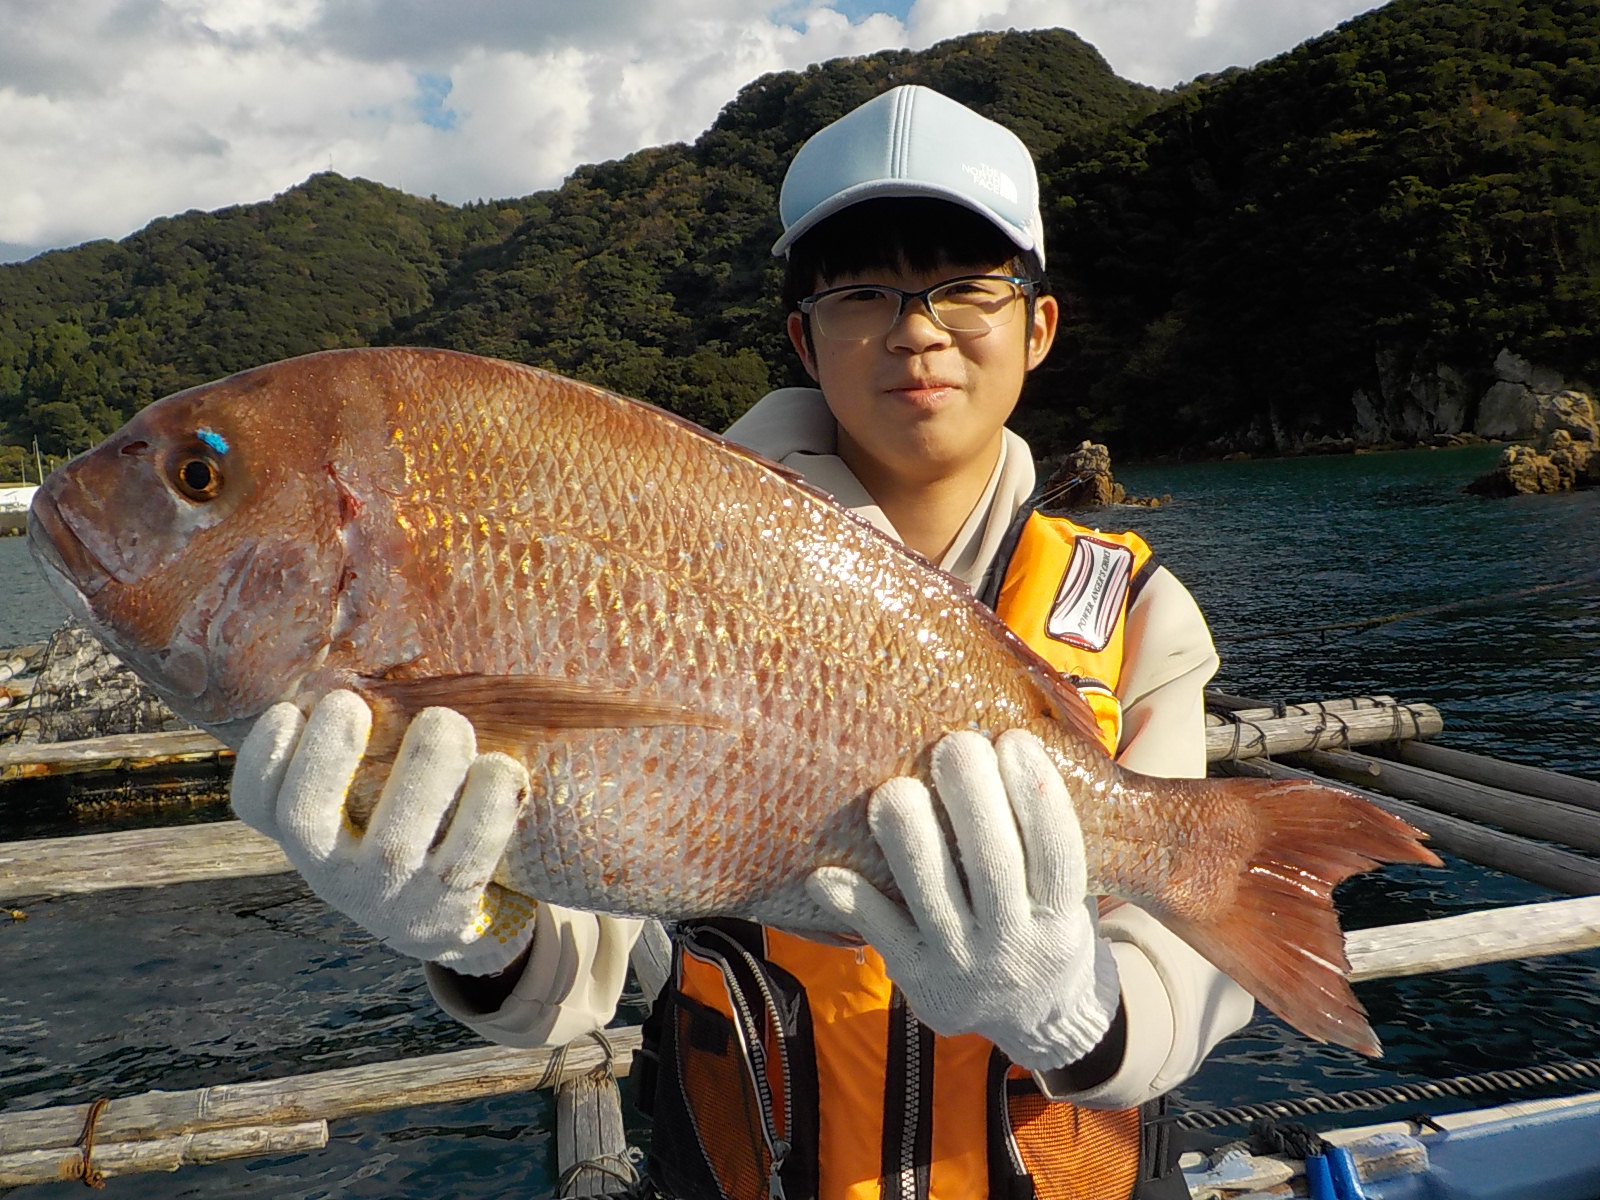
568, 987
1178, 1006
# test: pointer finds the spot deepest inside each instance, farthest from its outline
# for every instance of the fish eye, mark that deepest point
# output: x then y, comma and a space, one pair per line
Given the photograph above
197, 476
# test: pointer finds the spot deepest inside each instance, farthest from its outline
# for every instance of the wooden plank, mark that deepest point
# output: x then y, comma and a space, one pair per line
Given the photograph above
1320, 728
1472, 939
1559, 870
119, 752
1492, 772
1527, 816
96, 862
321, 1096
591, 1145
161, 1154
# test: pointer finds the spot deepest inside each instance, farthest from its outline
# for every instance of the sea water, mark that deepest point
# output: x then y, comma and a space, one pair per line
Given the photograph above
182, 987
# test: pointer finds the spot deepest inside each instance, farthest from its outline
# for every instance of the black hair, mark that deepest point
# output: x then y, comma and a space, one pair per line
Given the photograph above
910, 233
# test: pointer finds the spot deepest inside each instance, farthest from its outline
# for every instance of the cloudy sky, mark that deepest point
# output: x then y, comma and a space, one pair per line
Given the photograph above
115, 112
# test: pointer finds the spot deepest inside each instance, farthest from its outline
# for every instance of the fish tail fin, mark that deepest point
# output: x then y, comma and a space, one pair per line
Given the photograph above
1279, 938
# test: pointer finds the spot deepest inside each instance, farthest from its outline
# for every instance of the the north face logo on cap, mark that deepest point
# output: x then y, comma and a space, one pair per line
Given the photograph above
992, 179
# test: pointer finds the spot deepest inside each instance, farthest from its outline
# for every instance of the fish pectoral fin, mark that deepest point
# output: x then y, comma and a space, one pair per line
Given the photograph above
505, 709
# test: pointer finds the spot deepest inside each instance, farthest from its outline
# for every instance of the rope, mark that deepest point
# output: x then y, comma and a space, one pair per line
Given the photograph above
1406, 1093
623, 1167
558, 1061
83, 1168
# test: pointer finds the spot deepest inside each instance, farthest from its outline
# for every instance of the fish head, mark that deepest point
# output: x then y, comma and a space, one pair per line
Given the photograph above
201, 543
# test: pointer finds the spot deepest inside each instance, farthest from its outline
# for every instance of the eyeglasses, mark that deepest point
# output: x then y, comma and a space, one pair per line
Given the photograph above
859, 312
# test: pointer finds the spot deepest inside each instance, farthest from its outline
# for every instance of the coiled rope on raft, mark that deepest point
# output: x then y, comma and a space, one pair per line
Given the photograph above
1405, 1093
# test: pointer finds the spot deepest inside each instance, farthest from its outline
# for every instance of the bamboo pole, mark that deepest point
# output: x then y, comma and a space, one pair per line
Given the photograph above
160, 1154
1527, 816
1559, 870
95, 862
1319, 728
1492, 772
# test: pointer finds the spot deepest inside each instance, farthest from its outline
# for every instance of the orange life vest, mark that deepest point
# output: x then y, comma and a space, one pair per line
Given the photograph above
775, 1065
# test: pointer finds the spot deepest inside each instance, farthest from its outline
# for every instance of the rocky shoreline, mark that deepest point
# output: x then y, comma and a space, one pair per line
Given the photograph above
1550, 430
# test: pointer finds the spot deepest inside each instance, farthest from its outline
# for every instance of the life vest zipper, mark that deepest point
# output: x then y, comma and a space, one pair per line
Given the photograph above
908, 1095
777, 1146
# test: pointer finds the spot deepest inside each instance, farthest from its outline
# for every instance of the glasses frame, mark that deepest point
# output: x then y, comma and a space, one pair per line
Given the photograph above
1028, 287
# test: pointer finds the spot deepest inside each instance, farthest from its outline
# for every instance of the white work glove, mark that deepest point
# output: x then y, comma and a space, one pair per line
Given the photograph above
432, 902
1020, 961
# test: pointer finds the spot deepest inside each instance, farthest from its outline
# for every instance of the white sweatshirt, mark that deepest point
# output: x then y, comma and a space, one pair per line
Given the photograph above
1178, 1006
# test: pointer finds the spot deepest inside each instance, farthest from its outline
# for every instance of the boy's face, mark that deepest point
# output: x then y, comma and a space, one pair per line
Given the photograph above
920, 404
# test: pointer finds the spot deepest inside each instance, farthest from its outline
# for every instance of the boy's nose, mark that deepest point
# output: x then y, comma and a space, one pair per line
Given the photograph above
916, 327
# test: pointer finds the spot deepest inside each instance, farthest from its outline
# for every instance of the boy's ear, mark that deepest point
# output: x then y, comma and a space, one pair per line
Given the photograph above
1042, 333
796, 326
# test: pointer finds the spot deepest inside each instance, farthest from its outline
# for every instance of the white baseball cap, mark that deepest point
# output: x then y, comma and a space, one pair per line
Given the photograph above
914, 141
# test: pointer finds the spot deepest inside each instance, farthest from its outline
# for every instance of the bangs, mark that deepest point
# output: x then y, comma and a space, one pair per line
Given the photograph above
912, 234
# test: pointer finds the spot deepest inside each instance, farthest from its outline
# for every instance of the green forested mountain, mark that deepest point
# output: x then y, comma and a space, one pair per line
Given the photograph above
1420, 187
88, 336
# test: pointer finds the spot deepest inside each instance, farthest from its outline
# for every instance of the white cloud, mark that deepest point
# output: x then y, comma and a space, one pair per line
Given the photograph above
119, 111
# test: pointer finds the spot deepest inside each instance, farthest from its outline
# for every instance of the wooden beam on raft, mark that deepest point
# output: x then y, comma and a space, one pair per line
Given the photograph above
591, 1145
320, 1096
1492, 772
1252, 733
1527, 816
107, 1159
1547, 866
1255, 730
119, 752
1473, 939
97, 862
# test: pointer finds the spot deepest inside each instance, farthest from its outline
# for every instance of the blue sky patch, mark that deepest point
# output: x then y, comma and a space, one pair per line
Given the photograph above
855, 11
429, 102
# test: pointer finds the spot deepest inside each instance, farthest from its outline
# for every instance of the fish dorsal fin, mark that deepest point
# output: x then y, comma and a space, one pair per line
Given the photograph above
1071, 709
506, 709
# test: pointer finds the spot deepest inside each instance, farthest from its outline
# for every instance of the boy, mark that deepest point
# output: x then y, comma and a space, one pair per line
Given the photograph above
997, 1035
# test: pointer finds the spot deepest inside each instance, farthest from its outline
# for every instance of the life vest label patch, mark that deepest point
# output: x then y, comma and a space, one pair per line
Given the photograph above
1090, 597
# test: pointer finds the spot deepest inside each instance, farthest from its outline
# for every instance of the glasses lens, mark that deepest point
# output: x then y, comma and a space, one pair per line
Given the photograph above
856, 313
968, 305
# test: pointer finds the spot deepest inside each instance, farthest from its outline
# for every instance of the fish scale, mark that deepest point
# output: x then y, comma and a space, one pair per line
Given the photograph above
705, 664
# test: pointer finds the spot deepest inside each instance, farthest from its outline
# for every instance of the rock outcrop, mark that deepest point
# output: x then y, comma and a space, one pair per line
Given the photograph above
1082, 479
1560, 463
1531, 403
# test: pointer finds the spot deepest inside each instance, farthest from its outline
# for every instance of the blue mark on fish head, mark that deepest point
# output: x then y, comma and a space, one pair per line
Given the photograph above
213, 439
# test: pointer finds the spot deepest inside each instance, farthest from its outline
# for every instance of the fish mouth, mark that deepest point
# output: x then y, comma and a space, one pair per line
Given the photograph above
67, 562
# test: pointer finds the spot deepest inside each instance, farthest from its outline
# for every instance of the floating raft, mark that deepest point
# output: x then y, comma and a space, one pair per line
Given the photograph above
1535, 823
1541, 825
162, 1130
